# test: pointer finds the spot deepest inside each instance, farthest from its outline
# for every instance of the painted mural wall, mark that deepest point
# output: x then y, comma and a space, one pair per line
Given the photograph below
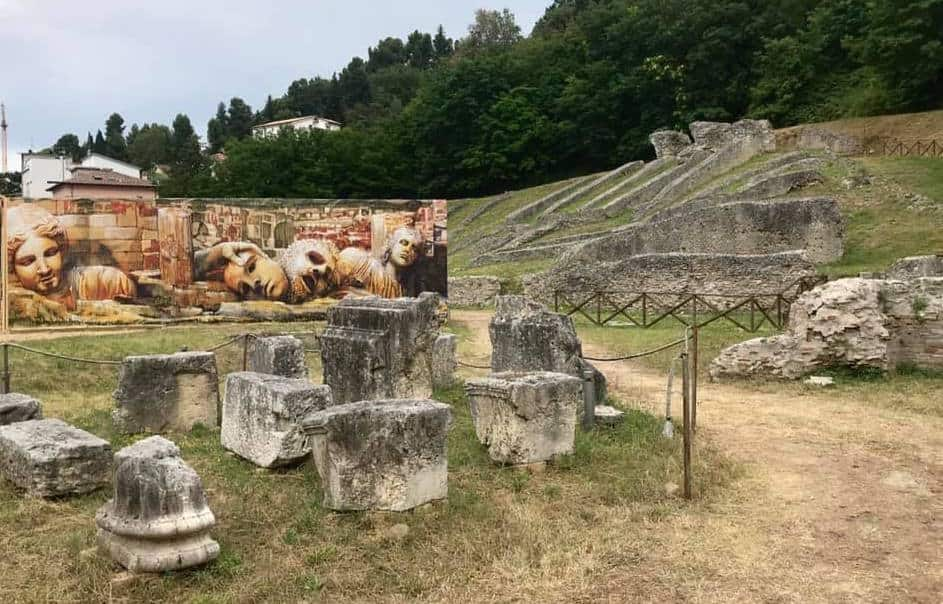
121, 261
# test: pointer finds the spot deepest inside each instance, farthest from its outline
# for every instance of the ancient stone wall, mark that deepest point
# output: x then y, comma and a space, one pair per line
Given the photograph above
473, 291
817, 137
677, 272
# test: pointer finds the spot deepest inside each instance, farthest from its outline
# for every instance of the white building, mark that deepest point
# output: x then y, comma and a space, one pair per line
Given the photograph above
308, 122
41, 170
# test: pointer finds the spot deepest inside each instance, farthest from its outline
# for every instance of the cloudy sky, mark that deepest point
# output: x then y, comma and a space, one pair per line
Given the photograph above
65, 65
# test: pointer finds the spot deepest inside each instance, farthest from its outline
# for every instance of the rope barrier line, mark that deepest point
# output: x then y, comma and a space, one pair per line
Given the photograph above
639, 354
61, 356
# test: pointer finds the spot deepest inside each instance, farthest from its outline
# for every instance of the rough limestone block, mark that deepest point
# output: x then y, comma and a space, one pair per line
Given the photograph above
444, 361
262, 416
374, 348
18, 408
159, 519
525, 418
669, 143
50, 458
167, 392
526, 336
381, 455
278, 355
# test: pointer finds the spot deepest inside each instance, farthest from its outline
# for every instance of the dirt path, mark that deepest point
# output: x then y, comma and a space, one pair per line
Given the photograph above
840, 500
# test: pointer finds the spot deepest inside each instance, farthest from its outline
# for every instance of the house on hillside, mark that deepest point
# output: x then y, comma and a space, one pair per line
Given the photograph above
308, 122
40, 170
97, 183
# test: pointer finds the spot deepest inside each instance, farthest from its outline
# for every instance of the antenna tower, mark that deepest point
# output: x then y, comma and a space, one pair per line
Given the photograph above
3, 138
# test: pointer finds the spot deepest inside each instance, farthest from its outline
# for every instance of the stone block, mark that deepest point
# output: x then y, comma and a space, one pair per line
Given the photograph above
18, 408
166, 392
262, 416
381, 455
669, 143
50, 458
278, 355
444, 361
374, 348
158, 519
473, 291
525, 418
526, 336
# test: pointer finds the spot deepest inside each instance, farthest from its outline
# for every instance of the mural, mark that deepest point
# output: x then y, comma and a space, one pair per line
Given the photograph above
127, 261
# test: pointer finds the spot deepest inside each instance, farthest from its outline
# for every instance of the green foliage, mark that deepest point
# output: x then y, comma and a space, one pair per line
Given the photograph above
68, 146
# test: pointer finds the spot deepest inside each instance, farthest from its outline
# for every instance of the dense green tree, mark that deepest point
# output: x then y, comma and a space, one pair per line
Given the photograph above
239, 119
100, 146
492, 29
116, 146
420, 53
68, 146
152, 146
186, 159
388, 52
217, 129
442, 45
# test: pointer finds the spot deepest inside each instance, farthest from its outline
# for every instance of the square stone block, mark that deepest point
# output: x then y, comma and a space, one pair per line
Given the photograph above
262, 416
164, 392
50, 458
525, 418
18, 408
444, 361
278, 355
381, 455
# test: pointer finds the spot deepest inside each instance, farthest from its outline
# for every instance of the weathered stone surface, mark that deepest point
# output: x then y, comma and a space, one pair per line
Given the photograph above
444, 361
816, 137
277, 355
715, 135
50, 458
473, 291
262, 416
16, 407
669, 143
375, 348
915, 267
850, 323
381, 455
607, 415
526, 336
525, 418
158, 519
166, 392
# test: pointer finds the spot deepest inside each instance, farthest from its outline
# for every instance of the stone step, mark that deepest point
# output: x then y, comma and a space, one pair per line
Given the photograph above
608, 177
645, 191
634, 180
536, 207
725, 181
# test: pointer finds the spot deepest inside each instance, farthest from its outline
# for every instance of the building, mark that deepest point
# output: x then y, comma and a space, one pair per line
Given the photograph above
40, 170
308, 122
96, 183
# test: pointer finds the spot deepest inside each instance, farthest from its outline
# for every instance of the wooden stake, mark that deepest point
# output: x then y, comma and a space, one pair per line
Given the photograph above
686, 398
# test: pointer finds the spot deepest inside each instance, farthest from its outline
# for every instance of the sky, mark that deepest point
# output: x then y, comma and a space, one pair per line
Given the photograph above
65, 66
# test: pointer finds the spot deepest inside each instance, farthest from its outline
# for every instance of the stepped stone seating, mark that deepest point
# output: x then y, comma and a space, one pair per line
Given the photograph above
381, 455
50, 458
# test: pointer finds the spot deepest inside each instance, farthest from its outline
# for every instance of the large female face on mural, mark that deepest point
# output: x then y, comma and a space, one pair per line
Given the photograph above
252, 274
37, 244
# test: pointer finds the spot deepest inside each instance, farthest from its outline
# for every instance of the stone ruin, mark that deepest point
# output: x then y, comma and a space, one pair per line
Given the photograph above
374, 348
856, 323
277, 355
473, 291
158, 519
164, 392
445, 361
18, 408
525, 418
669, 143
262, 417
526, 337
50, 458
381, 455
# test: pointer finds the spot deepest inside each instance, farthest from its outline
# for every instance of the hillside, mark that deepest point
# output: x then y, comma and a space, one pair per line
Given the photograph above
904, 126
892, 207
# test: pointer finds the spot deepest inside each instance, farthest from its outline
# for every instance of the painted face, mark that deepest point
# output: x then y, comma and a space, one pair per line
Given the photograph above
404, 247
38, 264
309, 265
260, 277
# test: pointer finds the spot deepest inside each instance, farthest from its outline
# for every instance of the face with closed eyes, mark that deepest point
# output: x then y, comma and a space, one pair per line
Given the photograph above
404, 246
259, 277
38, 264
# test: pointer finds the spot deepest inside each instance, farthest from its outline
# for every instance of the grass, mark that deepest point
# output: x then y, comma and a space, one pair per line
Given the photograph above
278, 542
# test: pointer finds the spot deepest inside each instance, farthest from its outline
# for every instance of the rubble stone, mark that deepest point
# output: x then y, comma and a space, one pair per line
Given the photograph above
50, 458
16, 407
669, 143
374, 348
381, 455
444, 361
166, 392
915, 267
525, 418
526, 336
158, 519
473, 291
277, 355
262, 416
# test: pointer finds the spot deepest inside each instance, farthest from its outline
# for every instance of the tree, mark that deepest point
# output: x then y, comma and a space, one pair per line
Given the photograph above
68, 146
388, 53
420, 53
217, 129
186, 158
115, 145
491, 29
442, 46
89, 145
239, 119
353, 84
151, 146
100, 146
